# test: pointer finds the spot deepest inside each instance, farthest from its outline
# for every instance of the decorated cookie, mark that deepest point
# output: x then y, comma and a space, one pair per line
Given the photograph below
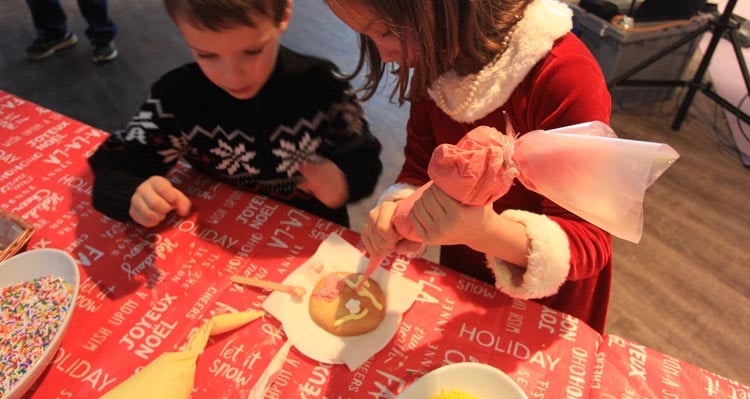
338, 308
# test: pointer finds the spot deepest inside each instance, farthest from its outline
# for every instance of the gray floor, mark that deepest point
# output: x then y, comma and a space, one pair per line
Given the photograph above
683, 290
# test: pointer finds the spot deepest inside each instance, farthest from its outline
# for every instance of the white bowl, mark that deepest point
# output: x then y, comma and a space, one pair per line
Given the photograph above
33, 264
477, 379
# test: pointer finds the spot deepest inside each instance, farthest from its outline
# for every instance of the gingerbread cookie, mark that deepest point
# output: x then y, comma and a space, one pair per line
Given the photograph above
338, 309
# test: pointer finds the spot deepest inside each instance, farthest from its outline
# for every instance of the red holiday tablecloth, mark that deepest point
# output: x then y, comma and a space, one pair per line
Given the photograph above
143, 291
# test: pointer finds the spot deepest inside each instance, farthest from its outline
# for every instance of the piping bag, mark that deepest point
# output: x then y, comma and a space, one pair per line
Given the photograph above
584, 168
171, 375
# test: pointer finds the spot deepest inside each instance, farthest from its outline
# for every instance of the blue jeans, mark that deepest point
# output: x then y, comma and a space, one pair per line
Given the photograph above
51, 22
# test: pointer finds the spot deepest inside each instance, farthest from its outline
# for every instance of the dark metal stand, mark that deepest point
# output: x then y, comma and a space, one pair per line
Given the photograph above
725, 25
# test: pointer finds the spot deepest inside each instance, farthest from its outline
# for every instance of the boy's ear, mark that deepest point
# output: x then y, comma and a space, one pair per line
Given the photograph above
287, 17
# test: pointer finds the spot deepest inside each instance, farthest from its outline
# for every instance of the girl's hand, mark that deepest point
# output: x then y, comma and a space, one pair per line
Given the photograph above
378, 234
325, 181
154, 199
441, 220
381, 238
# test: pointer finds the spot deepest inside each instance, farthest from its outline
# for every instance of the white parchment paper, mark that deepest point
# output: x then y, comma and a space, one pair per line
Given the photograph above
336, 254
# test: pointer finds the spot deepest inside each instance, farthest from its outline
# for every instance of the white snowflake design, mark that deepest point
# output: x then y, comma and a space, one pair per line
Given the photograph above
178, 147
141, 124
292, 156
234, 158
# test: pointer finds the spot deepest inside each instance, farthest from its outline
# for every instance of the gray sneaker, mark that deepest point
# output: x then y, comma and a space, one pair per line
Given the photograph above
105, 52
43, 48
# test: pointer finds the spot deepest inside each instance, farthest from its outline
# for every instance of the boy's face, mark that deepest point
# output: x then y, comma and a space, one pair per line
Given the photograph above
239, 60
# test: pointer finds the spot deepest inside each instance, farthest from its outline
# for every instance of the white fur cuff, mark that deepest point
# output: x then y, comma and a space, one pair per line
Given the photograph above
548, 260
396, 192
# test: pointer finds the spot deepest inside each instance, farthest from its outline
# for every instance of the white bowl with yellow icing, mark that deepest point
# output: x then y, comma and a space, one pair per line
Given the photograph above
465, 380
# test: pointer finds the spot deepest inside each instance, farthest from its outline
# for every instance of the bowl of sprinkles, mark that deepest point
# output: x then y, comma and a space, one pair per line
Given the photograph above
38, 291
466, 380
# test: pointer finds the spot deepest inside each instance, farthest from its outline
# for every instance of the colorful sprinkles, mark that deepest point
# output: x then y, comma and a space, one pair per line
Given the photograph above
30, 314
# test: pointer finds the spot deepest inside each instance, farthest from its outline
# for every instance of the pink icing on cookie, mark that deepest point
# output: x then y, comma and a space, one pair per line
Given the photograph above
329, 288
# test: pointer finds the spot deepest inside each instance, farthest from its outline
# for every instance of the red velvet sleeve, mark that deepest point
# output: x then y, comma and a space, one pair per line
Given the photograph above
565, 89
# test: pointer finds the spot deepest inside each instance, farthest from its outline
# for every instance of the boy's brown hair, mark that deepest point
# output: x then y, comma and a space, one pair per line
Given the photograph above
217, 15
445, 29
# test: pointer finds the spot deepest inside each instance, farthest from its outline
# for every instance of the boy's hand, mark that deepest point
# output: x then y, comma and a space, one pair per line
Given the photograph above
325, 181
154, 199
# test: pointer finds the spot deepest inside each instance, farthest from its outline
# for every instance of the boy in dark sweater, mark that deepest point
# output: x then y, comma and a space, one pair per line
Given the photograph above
249, 112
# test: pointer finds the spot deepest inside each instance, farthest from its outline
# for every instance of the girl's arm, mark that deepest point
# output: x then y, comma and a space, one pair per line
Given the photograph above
565, 89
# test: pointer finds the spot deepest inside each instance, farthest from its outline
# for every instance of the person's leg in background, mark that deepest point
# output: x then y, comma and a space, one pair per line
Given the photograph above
101, 30
51, 25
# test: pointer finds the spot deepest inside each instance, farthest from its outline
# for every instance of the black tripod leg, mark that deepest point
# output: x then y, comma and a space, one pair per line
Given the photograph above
740, 60
720, 27
743, 68
697, 81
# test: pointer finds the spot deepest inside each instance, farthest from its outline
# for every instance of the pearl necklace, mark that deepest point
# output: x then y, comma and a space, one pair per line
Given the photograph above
479, 77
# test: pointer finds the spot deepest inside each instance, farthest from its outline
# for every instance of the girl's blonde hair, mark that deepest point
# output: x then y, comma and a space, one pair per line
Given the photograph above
474, 29
218, 15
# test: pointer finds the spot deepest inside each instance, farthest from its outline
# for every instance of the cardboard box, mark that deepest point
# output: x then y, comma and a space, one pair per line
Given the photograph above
617, 50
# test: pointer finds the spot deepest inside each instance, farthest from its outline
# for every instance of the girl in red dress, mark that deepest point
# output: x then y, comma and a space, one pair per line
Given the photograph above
463, 64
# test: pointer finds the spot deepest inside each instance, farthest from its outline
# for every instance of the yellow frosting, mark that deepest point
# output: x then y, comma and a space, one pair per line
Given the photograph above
350, 317
452, 394
364, 291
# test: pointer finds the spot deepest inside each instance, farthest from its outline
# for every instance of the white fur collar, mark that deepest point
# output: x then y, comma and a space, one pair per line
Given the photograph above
544, 22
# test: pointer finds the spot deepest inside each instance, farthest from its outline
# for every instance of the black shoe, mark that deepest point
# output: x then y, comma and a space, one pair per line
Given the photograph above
105, 52
43, 48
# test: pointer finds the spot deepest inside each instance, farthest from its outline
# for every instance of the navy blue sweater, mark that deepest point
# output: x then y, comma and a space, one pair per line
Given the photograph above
304, 112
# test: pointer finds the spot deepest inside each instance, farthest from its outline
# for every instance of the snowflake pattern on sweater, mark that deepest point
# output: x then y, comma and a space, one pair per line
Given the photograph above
303, 114
234, 158
293, 155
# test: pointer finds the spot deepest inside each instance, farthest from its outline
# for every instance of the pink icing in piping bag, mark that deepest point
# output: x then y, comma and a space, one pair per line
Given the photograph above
584, 168
372, 265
